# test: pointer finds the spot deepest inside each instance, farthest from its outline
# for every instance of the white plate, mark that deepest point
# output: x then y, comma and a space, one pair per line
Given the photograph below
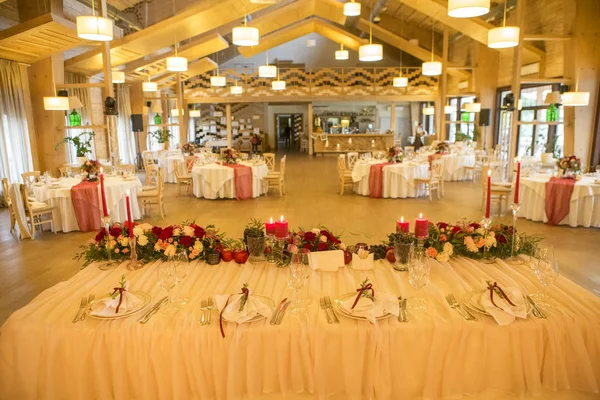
472, 301
338, 305
267, 300
146, 298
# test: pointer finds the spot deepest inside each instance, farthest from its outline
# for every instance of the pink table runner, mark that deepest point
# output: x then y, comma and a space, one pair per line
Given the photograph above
86, 205
376, 179
558, 199
242, 177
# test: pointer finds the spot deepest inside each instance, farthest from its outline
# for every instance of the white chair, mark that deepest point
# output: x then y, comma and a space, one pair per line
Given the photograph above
151, 177
189, 162
270, 160
183, 178
352, 158
37, 214
499, 191
154, 196
275, 179
344, 175
304, 144
128, 168
29, 178
433, 182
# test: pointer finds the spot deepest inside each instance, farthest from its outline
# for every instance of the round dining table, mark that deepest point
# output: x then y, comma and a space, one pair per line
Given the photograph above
454, 164
216, 181
169, 162
58, 193
398, 179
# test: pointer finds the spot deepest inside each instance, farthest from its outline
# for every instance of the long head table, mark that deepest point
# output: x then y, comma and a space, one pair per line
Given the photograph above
437, 355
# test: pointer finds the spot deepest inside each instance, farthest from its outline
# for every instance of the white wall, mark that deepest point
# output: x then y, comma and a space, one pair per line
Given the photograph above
287, 109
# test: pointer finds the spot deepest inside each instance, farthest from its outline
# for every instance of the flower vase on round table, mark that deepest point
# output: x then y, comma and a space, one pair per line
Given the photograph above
256, 248
81, 160
213, 258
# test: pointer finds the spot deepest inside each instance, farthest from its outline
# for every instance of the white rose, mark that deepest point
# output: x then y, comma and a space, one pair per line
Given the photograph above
442, 257
138, 231
143, 240
145, 227
157, 246
176, 232
198, 246
323, 238
490, 241
170, 250
480, 231
188, 231
124, 241
448, 249
473, 248
316, 231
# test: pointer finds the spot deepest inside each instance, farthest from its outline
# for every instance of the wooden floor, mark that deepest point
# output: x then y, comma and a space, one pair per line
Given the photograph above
312, 199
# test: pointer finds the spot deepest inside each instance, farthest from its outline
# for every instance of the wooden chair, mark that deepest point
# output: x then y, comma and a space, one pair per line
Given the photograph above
11, 211
151, 177
149, 157
352, 158
189, 162
499, 191
63, 172
345, 176
433, 182
183, 178
270, 161
37, 215
154, 196
276, 179
29, 178
480, 159
128, 168
303, 144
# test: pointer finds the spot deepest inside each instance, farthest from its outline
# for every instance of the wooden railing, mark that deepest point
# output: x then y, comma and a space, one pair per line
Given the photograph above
324, 82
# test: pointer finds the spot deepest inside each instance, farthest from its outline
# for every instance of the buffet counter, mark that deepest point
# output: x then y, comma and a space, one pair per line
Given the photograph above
343, 143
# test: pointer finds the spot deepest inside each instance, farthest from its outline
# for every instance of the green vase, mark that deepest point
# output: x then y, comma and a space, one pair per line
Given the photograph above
74, 119
157, 119
552, 113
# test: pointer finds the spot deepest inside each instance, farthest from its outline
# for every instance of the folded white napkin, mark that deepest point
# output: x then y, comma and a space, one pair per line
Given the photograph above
329, 260
254, 306
384, 303
362, 264
37, 204
107, 307
506, 314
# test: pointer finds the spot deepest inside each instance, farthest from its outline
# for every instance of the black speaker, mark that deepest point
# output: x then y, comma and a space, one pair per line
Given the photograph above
137, 122
484, 117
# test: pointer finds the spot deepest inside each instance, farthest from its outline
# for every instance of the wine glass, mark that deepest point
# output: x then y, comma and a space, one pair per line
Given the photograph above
167, 279
296, 281
182, 269
418, 277
307, 274
546, 270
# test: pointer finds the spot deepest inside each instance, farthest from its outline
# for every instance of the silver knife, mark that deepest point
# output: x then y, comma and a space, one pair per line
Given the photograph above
536, 311
405, 315
282, 312
400, 314
274, 318
153, 310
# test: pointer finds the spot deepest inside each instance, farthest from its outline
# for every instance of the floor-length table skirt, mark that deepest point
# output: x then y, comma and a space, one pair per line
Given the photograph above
454, 166
398, 179
115, 189
434, 356
214, 181
169, 164
584, 207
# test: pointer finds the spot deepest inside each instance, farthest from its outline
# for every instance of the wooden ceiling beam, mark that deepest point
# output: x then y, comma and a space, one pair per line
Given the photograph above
280, 37
338, 35
197, 68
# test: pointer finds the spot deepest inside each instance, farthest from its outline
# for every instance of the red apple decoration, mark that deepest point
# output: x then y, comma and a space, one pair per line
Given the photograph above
227, 255
240, 256
347, 257
389, 255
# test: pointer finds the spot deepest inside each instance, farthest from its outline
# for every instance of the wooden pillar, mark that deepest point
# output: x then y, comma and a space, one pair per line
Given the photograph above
516, 81
109, 91
443, 89
228, 117
393, 119
310, 129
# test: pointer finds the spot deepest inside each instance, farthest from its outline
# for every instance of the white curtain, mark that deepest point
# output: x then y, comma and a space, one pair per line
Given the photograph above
83, 94
126, 139
15, 149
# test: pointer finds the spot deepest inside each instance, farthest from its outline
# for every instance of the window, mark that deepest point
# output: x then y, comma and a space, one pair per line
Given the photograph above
459, 121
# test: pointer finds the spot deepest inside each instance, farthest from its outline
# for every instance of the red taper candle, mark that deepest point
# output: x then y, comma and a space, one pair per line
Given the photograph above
103, 195
489, 194
517, 182
129, 221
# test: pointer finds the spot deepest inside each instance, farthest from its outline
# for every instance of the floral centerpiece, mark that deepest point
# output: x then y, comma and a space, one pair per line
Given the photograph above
230, 156
394, 154
188, 148
569, 166
442, 148
90, 170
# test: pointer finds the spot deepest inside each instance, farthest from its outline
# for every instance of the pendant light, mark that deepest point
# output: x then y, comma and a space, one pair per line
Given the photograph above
429, 110
400, 81
576, 98
55, 103
432, 68
176, 63
267, 71
194, 113
341, 54
370, 52
245, 35
175, 112
448, 109
468, 8
118, 76
504, 36
218, 80
93, 27
236, 90
149, 86
351, 9
278, 84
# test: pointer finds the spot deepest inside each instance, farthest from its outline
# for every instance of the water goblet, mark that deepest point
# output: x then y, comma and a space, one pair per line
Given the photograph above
547, 271
167, 279
296, 281
182, 269
418, 277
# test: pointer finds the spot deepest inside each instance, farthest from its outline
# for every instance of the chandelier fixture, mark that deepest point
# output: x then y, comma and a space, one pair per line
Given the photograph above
370, 52
118, 77
432, 68
245, 35
468, 8
278, 84
341, 54
93, 27
351, 9
267, 71
504, 36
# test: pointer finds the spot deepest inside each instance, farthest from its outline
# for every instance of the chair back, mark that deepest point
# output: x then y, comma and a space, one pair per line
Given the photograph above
352, 158
160, 181
26, 206
152, 175
496, 172
189, 162
270, 160
128, 168
437, 169
29, 178
5, 190
63, 172
282, 166
341, 165
148, 157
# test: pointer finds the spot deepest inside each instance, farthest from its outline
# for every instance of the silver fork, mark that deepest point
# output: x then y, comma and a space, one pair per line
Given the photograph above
91, 298
210, 307
454, 304
203, 307
81, 308
324, 307
330, 306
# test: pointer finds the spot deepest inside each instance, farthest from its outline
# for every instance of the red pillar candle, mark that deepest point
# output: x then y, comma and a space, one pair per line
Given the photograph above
103, 195
489, 194
402, 226
270, 227
129, 222
421, 227
281, 228
516, 200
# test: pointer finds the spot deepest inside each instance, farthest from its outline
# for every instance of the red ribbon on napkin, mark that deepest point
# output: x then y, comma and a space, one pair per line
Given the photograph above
86, 206
360, 291
495, 286
120, 290
558, 199
242, 176
376, 179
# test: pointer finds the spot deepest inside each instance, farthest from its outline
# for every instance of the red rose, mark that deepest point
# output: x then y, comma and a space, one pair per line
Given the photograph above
456, 229
501, 239
156, 231
166, 233
310, 236
474, 225
308, 246
322, 246
186, 241
334, 240
442, 225
116, 231
100, 235
198, 231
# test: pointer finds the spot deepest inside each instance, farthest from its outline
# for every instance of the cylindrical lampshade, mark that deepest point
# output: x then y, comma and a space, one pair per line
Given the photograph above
267, 71
55, 103
194, 113
503, 37
431, 68
351, 9
428, 111
575, 99
278, 85
175, 112
177, 64
245, 36
552, 97
472, 107
95, 28
400, 81
149, 86
370, 52
449, 109
236, 89
118, 77
341, 54
468, 8
218, 80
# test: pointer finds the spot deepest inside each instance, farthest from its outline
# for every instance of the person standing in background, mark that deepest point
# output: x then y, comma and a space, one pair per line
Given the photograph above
419, 133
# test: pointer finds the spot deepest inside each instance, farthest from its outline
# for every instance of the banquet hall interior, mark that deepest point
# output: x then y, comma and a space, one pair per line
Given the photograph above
299, 199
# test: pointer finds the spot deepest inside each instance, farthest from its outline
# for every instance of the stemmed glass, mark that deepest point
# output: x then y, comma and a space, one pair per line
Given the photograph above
546, 270
167, 279
418, 277
182, 269
297, 278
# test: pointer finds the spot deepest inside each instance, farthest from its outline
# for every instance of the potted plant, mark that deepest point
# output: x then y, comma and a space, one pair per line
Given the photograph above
254, 237
82, 145
212, 248
402, 243
162, 136
240, 255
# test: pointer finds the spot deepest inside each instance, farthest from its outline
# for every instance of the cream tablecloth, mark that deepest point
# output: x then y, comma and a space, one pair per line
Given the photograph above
169, 163
454, 165
215, 181
115, 189
398, 179
434, 356
584, 207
